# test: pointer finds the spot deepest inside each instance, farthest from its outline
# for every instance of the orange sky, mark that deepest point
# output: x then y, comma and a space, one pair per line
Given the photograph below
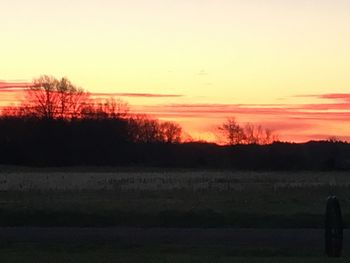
281, 63
309, 117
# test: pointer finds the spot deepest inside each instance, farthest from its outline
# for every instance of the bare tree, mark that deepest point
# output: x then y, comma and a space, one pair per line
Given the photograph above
41, 97
256, 134
49, 98
233, 132
334, 139
71, 99
108, 109
147, 130
116, 108
13, 112
171, 132
250, 134
144, 130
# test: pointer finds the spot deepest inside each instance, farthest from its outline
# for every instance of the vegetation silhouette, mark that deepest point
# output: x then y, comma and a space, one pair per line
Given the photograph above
59, 124
234, 133
333, 228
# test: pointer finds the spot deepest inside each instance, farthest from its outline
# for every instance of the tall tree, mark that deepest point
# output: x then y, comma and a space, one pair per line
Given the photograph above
249, 134
143, 129
171, 132
50, 98
256, 134
232, 131
107, 109
71, 99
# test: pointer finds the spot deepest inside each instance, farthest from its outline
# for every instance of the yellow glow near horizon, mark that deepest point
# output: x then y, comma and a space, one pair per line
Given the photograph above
225, 51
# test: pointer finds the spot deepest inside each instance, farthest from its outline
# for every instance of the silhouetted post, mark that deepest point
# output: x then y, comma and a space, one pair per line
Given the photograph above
333, 228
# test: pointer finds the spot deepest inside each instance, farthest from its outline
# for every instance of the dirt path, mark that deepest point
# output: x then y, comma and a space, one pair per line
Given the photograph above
235, 238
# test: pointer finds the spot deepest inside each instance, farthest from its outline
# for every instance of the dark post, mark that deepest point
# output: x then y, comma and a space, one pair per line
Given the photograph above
333, 228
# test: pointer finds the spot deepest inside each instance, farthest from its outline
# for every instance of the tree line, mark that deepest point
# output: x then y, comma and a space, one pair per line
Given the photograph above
59, 101
49, 99
58, 124
236, 134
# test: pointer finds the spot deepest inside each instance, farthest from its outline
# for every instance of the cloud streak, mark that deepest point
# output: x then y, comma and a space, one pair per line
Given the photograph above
327, 96
295, 122
220, 110
138, 95
329, 114
11, 91
13, 86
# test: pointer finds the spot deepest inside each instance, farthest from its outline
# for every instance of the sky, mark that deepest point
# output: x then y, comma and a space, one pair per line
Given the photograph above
280, 63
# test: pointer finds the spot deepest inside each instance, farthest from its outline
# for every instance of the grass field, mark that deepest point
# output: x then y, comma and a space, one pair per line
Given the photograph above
179, 198
164, 198
103, 253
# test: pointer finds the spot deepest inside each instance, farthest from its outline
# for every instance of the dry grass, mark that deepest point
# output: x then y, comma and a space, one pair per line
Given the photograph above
161, 180
168, 198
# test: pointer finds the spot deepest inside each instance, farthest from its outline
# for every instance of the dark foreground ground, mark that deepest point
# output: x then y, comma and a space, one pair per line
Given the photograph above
299, 239
28, 244
171, 216
168, 198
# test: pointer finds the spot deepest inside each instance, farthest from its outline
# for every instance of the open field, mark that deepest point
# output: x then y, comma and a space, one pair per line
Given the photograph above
168, 198
108, 253
164, 245
148, 179
200, 200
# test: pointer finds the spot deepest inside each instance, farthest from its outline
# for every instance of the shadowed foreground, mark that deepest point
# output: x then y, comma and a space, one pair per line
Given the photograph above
186, 199
164, 245
308, 240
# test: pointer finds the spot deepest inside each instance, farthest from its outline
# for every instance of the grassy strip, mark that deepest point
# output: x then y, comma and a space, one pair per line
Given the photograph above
103, 253
205, 218
257, 208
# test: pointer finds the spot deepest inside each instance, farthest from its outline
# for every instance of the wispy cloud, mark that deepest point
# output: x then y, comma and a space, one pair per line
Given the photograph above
309, 111
8, 86
327, 114
140, 95
11, 91
295, 122
336, 96
328, 96
220, 110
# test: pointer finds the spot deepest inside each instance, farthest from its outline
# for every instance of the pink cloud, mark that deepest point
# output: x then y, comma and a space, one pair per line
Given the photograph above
11, 92
217, 110
326, 106
8, 86
295, 122
142, 95
298, 121
329, 96
336, 96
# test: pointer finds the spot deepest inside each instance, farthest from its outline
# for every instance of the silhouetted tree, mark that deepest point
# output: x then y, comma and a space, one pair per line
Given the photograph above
256, 134
143, 129
108, 109
13, 112
70, 99
171, 132
49, 98
116, 108
249, 134
334, 139
233, 132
